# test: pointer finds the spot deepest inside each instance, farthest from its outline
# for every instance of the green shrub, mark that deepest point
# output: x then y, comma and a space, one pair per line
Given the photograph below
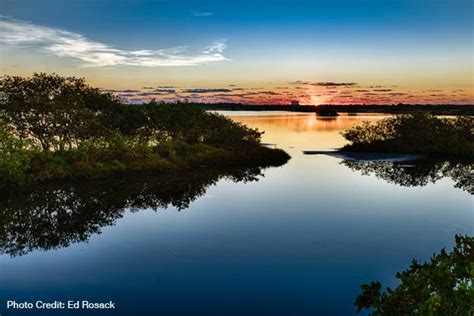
15, 156
443, 286
415, 133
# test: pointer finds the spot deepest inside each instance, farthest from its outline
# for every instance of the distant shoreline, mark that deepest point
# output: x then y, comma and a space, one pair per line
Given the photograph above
333, 110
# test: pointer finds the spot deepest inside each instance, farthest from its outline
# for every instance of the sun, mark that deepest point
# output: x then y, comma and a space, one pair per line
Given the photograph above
318, 99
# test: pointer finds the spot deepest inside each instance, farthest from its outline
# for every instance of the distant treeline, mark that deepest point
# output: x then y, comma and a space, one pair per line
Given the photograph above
438, 109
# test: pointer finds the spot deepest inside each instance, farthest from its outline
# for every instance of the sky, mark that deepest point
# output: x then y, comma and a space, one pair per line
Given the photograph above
256, 52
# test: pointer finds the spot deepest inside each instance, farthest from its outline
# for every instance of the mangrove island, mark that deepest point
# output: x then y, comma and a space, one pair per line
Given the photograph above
419, 133
54, 128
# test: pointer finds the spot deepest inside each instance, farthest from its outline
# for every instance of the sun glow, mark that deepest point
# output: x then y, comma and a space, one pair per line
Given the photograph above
318, 99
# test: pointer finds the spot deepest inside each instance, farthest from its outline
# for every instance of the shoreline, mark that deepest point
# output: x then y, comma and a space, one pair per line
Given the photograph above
331, 110
156, 165
366, 156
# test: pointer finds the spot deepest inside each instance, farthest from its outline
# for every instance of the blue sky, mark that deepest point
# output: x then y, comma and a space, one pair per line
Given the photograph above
418, 44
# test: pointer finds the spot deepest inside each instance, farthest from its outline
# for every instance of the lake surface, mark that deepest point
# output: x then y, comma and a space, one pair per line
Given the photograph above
298, 239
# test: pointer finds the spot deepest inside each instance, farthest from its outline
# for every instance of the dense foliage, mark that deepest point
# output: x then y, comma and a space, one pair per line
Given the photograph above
443, 286
52, 127
415, 133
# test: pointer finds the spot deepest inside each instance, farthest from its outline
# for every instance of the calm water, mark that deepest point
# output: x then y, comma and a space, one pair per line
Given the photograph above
293, 240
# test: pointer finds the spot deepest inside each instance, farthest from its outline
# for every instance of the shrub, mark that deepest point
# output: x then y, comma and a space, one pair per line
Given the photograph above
443, 286
415, 133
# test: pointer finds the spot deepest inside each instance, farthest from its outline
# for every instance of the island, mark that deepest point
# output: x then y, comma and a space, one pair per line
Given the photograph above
57, 128
419, 133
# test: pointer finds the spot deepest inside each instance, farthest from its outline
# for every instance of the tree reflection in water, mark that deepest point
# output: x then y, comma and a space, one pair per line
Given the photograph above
417, 173
58, 215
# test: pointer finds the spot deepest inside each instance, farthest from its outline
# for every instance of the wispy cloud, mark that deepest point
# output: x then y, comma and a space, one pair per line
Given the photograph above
91, 53
324, 83
202, 14
207, 90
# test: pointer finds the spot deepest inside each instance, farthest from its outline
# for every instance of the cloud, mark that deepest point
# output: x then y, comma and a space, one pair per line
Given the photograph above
91, 53
324, 83
120, 91
221, 95
345, 92
202, 14
383, 90
217, 47
165, 91
334, 84
208, 90
148, 94
268, 92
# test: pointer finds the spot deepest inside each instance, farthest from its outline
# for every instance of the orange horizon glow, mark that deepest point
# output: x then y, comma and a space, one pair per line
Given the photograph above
305, 94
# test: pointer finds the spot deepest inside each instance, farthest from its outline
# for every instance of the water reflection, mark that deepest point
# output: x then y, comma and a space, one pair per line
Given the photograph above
303, 122
303, 131
417, 173
56, 216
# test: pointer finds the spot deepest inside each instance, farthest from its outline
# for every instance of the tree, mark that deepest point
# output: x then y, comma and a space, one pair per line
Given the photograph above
54, 111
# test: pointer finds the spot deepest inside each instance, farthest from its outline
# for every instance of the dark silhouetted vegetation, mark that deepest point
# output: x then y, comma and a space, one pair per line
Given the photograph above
415, 134
55, 215
434, 109
327, 113
443, 286
52, 127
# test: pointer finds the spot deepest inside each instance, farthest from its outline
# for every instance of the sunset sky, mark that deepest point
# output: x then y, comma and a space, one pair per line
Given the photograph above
384, 52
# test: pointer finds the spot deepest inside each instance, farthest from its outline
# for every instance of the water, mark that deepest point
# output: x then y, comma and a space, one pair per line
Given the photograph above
293, 240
